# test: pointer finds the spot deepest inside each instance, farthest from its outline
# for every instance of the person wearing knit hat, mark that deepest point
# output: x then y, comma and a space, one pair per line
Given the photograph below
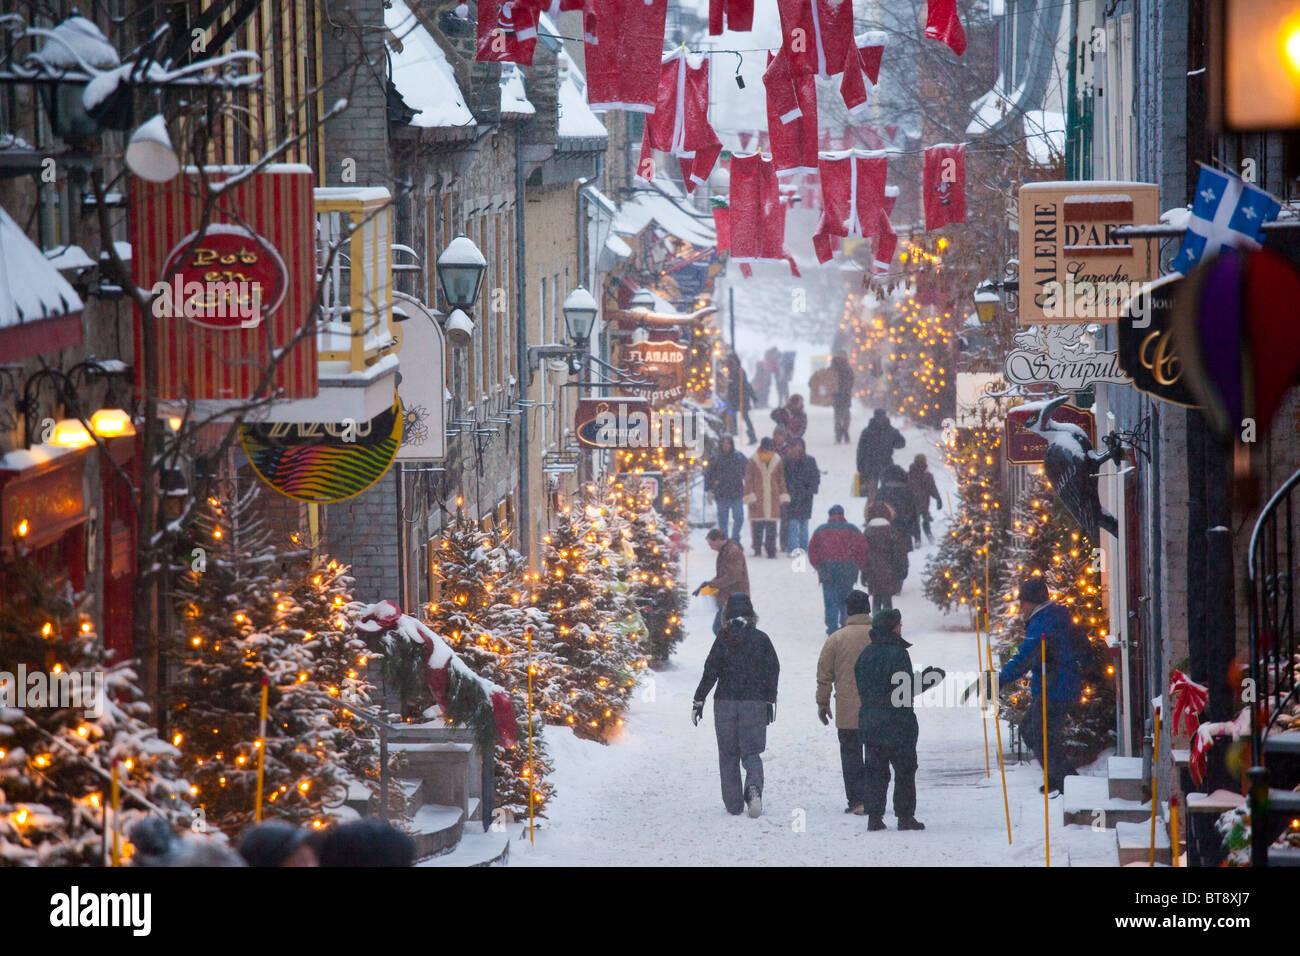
742, 663
837, 552
887, 724
1048, 623
277, 843
835, 672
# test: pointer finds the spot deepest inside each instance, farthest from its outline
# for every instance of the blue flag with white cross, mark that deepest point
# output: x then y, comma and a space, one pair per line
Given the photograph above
1226, 212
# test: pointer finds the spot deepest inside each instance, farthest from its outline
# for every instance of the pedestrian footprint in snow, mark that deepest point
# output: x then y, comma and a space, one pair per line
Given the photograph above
743, 663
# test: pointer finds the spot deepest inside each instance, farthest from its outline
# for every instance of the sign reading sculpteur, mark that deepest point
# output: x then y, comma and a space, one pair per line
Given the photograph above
1061, 355
421, 382
324, 462
663, 363
1073, 268
632, 423
1146, 344
1027, 447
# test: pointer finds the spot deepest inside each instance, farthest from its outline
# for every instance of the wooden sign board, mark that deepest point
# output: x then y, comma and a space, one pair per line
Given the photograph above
1025, 447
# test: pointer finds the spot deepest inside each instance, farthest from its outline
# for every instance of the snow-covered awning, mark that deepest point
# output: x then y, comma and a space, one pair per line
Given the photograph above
39, 310
1045, 136
421, 73
577, 121
663, 206
514, 98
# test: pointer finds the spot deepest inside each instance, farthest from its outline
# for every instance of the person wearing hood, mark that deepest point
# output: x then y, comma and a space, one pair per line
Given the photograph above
887, 724
895, 492
876, 447
802, 479
920, 482
765, 493
838, 553
792, 417
885, 565
742, 663
842, 395
1047, 622
724, 478
835, 670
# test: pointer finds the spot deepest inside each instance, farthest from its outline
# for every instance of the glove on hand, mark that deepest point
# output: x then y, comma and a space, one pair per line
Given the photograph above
824, 714
697, 711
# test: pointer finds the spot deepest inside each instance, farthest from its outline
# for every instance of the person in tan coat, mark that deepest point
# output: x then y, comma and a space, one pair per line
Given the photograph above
835, 670
765, 494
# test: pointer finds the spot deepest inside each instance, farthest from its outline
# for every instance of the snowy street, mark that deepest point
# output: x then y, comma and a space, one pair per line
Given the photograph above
653, 796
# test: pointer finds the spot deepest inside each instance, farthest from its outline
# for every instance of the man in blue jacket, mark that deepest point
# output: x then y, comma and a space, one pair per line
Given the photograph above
724, 478
1048, 623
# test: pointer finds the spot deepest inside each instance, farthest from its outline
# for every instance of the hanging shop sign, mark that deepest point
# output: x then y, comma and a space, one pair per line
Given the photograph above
1026, 447
662, 362
1073, 268
645, 484
628, 423
1061, 355
42, 499
421, 380
1146, 343
231, 293
324, 462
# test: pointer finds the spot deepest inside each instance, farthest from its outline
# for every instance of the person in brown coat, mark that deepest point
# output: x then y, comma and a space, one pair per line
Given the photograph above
835, 671
765, 494
730, 574
886, 563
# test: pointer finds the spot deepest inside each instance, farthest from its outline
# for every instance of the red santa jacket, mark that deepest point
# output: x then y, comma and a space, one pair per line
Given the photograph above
791, 116
680, 122
756, 213
624, 48
818, 36
853, 197
739, 15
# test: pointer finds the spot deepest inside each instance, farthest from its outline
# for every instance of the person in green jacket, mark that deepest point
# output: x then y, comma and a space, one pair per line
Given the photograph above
886, 722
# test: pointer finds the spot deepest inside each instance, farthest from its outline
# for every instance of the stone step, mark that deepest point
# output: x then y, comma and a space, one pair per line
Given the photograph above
476, 848
436, 829
1084, 796
1216, 802
1124, 776
1134, 842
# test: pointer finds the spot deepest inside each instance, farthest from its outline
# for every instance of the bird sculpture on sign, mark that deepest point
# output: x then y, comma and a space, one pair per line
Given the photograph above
1071, 465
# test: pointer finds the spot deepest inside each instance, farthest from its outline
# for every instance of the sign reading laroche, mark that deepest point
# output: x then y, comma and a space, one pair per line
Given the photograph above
1025, 447
324, 462
231, 293
1146, 345
1073, 268
663, 363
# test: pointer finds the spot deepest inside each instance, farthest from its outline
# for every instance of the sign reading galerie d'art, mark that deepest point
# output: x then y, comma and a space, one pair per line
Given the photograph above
324, 462
1073, 268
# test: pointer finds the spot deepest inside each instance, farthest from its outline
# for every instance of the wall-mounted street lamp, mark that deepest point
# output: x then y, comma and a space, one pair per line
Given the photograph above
642, 298
579, 318
460, 273
986, 301
150, 154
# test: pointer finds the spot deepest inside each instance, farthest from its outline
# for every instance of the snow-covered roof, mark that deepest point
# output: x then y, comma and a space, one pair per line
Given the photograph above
514, 98
576, 117
69, 257
30, 288
993, 108
1045, 136
23, 458
421, 73
663, 205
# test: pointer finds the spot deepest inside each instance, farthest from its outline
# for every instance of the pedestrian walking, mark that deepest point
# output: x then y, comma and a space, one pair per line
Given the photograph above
802, 479
895, 492
842, 395
730, 572
885, 565
838, 553
762, 383
785, 372
792, 416
277, 843
743, 664
920, 481
740, 397
724, 478
876, 447
764, 494
835, 672
1047, 621
886, 721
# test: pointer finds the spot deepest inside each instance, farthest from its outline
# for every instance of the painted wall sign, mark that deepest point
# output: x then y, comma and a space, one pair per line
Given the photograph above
1146, 344
421, 382
1025, 447
1072, 267
208, 356
1061, 354
324, 462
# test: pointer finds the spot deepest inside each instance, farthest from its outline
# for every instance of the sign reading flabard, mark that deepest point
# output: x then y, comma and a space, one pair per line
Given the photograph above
1025, 447
663, 363
1072, 267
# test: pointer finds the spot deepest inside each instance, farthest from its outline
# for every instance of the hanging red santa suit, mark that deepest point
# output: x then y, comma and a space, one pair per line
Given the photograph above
624, 46
791, 116
757, 214
818, 37
886, 237
944, 185
680, 122
942, 23
853, 194
738, 14
507, 31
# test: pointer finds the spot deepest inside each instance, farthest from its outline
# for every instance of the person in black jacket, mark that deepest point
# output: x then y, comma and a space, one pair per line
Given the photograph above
886, 722
740, 397
802, 479
724, 478
895, 492
743, 663
876, 447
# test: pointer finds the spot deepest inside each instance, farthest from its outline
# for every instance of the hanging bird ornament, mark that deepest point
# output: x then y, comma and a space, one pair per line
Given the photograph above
1071, 465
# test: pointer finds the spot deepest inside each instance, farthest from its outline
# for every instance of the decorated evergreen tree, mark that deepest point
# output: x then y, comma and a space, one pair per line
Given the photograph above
655, 573
251, 614
66, 715
1044, 540
483, 610
977, 532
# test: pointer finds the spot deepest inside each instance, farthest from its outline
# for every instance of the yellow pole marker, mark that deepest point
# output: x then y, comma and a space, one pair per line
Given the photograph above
114, 799
997, 723
261, 751
1155, 785
1173, 829
529, 635
979, 666
1047, 830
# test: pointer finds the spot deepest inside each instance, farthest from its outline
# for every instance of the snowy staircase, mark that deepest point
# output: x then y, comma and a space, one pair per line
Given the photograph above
1088, 802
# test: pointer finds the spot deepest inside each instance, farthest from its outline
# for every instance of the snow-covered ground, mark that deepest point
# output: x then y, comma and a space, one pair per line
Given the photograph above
652, 797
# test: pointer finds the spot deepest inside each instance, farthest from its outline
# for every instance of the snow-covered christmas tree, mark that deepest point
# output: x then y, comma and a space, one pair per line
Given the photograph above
66, 715
250, 613
654, 572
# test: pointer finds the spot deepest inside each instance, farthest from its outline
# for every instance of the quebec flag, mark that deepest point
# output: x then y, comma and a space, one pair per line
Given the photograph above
1226, 212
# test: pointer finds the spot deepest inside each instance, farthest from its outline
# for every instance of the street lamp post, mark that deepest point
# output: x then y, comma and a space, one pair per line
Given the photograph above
460, 273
